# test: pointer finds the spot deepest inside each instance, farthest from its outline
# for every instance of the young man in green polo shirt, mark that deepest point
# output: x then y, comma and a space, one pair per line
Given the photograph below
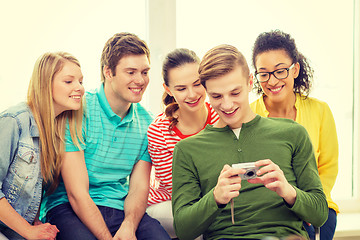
105, 184
209, 196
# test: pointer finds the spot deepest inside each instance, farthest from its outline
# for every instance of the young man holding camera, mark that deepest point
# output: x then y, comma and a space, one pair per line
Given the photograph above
287, 189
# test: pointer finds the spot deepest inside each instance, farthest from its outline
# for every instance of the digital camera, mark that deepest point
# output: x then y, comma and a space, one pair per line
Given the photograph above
250, 170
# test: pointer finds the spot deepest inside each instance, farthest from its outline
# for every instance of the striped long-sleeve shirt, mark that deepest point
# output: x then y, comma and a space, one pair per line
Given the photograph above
161, 148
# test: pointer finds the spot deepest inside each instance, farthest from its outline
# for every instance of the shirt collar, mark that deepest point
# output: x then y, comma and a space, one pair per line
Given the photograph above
109, 112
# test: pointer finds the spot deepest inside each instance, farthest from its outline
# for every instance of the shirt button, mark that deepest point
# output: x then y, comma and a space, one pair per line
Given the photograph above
115, 139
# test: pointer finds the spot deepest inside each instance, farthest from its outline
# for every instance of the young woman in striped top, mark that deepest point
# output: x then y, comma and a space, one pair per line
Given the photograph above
186, 113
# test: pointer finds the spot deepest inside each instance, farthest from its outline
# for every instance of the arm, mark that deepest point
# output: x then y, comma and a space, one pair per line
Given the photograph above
161, 157
187, 200
8, 215
17, 223
136, 201
74, 174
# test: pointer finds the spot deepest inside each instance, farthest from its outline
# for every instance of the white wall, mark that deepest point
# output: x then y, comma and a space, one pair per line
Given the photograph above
80, 27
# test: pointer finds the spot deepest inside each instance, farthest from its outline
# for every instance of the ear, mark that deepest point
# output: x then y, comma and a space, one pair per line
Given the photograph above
107, 72
167, 90
296, 70
251, 81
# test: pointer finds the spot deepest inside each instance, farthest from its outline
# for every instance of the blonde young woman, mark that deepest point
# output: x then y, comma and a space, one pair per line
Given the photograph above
186, 114
32, 136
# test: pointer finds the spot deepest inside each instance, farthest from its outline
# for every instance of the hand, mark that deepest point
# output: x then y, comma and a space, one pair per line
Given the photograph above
274, 179
125, 232
228, 184
37, 222
42, 231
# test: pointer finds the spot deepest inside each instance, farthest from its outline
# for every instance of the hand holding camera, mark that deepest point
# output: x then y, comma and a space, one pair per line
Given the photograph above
273, 178
250, 169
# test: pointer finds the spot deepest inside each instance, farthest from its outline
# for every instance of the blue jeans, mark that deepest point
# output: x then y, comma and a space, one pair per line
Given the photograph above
71, 227
327, 230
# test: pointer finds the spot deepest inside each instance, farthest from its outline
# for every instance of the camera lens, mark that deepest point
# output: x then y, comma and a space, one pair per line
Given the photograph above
250, 173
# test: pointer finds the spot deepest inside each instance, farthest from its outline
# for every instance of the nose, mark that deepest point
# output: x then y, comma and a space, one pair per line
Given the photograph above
79, 87
191, 93
139, 79
273, 80
227, 104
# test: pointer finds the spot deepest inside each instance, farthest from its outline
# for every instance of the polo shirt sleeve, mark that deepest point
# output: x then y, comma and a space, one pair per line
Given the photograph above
70, 146
145, 155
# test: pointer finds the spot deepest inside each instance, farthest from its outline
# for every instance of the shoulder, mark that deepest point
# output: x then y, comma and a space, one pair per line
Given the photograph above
279, 125
206, 136
16, 110
18, 116
141, 113
20, 113
159, 128
311, 104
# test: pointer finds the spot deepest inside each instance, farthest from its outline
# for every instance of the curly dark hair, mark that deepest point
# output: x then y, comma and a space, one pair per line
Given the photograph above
278, 40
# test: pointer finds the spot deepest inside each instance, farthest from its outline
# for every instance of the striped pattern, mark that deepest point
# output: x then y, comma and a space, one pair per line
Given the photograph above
161, 148
112, 147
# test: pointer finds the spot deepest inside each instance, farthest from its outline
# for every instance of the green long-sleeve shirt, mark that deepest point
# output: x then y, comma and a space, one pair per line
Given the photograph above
259, 212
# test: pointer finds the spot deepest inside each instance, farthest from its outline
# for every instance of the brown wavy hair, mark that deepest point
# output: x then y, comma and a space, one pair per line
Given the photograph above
175, 59
119, 46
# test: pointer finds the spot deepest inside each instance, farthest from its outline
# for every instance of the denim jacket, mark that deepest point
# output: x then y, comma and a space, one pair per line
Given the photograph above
20, 175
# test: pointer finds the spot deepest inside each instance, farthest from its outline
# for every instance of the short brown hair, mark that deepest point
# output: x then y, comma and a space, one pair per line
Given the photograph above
220, 61
119, 46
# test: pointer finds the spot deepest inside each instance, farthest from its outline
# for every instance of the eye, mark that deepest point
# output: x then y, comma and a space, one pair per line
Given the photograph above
145, 73
197, 84
68, 81
131, 72
216, 96
235, 93
280, 71
180, 89
263, 74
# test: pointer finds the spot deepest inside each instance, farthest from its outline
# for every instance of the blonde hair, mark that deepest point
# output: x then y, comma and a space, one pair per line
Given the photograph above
220, 61
51, 128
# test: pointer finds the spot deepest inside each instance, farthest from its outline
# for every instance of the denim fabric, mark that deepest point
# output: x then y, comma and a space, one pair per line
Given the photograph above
71, 227
327, 230
20, 175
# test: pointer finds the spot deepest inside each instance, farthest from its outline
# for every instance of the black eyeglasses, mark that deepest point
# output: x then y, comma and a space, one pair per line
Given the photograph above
281, 73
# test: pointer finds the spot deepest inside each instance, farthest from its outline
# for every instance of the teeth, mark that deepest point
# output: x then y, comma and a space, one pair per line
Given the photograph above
75, 97
135, 89
275, 89
194, 101
229, 112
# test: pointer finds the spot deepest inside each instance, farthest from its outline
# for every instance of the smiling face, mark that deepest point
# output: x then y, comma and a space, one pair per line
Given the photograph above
185, 87
229, 96
67, 88
277, 90
128, 83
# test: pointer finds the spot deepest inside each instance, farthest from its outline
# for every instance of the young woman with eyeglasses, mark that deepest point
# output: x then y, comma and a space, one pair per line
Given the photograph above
283, 77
